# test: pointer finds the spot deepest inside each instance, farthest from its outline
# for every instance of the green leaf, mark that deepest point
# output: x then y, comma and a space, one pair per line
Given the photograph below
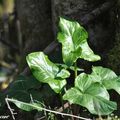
91, 95
106, 77
73, 38
103, 73
46, 71
113, 84
26, 106
87, 53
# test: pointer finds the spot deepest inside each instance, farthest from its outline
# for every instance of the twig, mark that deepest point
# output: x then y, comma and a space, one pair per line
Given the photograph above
47, 110
11, 110
66, 105
65, 114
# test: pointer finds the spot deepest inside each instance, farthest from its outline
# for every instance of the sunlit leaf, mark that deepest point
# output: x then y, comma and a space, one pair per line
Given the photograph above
106, 77
46, 71
113, 84
73, 38
103, 73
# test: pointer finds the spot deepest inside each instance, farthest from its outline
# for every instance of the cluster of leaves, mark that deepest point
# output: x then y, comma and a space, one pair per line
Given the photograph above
90, 90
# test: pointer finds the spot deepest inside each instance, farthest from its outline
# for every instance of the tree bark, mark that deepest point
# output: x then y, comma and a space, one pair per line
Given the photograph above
94, 15
113, 57
36, 23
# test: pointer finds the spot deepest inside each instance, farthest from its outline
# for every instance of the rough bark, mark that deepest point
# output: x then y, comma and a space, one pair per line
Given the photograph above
113, 57
38, 20
95, 15
36, 23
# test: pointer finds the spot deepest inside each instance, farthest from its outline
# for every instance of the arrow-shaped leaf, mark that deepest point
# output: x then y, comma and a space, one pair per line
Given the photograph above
46, 71
106, 77
113, 84
74, 42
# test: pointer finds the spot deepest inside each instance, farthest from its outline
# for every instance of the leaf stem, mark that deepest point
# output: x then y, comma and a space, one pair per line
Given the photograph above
70, 107
61, 100
75, 107
75, 69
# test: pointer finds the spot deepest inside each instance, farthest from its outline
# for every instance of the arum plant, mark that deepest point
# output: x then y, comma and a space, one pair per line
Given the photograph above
90, 90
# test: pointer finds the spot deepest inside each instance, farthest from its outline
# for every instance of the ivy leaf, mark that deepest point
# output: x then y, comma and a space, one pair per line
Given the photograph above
73, 38
87, 53
113, 84
107, 77
103, 73
91, 95
46, 71
26, 106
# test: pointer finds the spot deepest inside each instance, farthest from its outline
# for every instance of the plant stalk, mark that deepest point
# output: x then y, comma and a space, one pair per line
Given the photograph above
75, 68
75, 107
70, 107
61, 100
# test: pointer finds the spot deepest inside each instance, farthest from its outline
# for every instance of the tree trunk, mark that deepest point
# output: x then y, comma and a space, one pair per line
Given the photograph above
100, 27
114, 54
36, 23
